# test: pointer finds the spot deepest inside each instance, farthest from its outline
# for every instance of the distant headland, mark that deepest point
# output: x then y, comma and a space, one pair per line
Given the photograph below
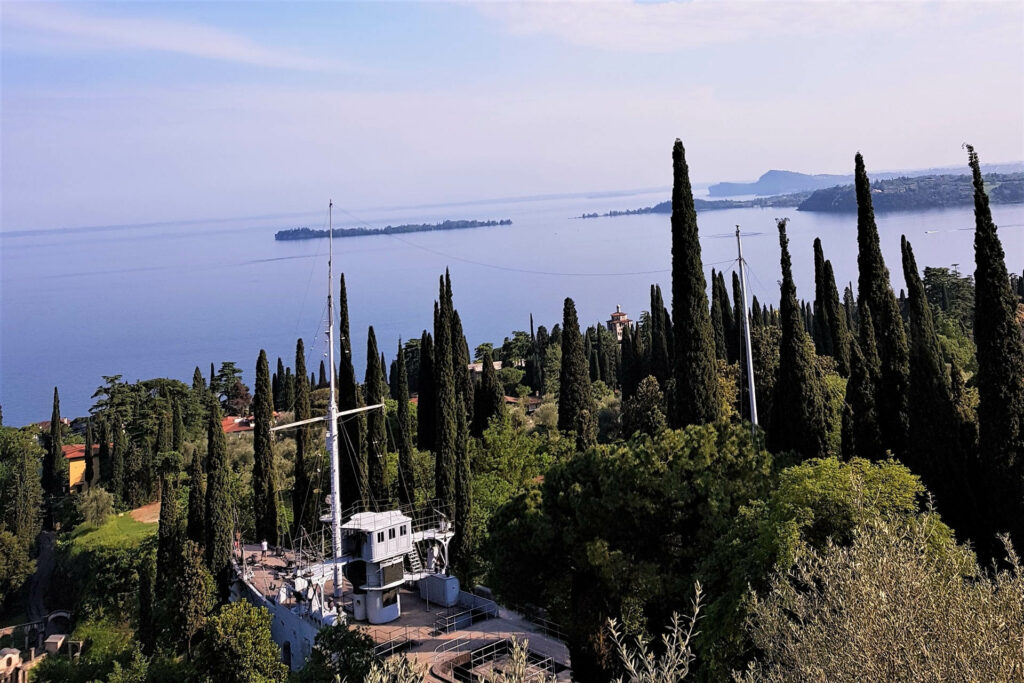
311, 234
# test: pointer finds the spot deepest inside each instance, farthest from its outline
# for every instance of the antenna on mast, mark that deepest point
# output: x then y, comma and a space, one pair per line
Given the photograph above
332, 414
746, 334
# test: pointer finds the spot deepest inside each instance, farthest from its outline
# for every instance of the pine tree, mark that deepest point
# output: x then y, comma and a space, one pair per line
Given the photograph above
55, 466
1000, 377
219, 521
193, 595
460, 360
196, 530
462, 542
264, 491
576, 409
696, 381
717, 319
935, 449
426, 413
90, 473
177, 428
798, 421
322, 378
490, 399
406, 476
198, 383
352, 451
875, 290
168, 532
861, 434
447, 401
279, 387
117, 466
376, 434
304, 500
136, 483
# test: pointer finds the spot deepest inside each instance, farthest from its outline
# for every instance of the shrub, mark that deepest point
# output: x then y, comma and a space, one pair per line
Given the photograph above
95, 506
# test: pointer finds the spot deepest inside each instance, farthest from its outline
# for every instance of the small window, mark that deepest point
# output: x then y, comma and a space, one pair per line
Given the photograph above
391, 533
389, 597
380, 537
402, 530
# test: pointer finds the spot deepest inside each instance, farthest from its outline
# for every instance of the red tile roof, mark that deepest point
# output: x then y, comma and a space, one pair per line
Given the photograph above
233, 425
73, 451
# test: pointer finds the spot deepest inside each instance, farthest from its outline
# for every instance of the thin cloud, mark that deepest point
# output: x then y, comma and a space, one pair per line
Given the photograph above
77, 30
660, 27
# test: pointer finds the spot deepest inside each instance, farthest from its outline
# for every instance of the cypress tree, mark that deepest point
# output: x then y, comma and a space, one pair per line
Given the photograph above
631, 365
313, 384
935, 448
146, 632
213, 378
460, 364
661, 363
426, 413
264, 492
136, 485
696, 387
104, 455
304, 499
850, 309
798, 421
594, 365
406, 477
717, 319
462, 540
490, 399
823, 324
875, 290
861, 436
280, 401
55, 466
218, 504
322, 379
1000, 377
576, 409
177, 428
198, 383
732, 335
376, 437
196, 530
163, 430
168, 536
117, 458
836, 319
355, 485
89, 471
447, 401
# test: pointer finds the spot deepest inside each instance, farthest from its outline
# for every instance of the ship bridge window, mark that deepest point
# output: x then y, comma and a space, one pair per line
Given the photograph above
391, 533
380, 536
401, 530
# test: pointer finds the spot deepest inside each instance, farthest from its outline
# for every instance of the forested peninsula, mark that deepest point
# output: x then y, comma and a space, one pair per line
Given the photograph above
895, 194
310, 234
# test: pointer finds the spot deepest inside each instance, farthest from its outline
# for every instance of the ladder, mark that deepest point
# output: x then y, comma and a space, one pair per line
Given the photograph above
415, 564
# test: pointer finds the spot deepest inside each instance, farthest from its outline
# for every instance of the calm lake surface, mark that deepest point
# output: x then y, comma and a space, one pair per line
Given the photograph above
158, 300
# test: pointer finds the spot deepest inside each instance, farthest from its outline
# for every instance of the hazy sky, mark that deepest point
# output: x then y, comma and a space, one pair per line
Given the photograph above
138, 112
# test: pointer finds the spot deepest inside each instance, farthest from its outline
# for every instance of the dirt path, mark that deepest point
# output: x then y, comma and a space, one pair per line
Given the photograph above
40, 585
148, 514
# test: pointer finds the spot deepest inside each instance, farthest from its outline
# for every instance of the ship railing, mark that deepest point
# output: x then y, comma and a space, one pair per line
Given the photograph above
469, 610
428, 515
538, 617
469, 653
396, 639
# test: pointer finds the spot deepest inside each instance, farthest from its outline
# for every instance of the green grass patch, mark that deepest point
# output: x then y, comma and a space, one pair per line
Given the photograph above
117, 531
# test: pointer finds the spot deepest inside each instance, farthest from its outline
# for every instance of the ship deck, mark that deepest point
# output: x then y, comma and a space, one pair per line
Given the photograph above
415, 633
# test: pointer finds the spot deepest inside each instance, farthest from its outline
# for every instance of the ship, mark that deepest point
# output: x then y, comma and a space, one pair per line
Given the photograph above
384, 567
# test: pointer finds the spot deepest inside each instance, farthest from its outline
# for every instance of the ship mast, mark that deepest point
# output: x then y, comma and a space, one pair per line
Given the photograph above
746, 334
332, 412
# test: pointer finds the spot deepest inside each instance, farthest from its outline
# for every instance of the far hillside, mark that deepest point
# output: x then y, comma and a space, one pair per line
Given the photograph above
926, 192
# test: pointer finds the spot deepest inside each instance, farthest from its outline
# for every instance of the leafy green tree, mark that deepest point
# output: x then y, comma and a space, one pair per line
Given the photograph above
90, 472
462, 543
117, 464
875, 293
403, 435
1000, 378
577, 411
861, 435
426, 413
218, 505
264, 493
21, 492
340, 653
832, 335
798, 421
55, 466
136, 486
104, 453
376, 434
717, 319
489, 396
446, 401
460, 360
177, 427
196, 526
696, 384
168, 532
644, 412
221, 383
354, 466
661, 347
193, 591
238, 648
303, 504
146, 626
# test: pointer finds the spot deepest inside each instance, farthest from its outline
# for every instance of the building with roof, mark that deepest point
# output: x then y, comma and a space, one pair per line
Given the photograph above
618, 322
74, 453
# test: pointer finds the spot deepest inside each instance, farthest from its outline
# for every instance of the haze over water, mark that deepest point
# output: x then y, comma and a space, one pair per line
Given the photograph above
161, 299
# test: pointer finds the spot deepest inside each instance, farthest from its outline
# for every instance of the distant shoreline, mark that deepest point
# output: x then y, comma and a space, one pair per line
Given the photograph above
311, 234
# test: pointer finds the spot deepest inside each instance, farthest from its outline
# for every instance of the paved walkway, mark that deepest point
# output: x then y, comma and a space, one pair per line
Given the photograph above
40, 582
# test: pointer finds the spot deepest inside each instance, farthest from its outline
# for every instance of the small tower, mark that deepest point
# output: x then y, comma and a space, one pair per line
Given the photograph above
618, 322
378, 543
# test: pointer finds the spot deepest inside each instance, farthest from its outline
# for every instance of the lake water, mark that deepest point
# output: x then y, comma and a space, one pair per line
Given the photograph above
158, 300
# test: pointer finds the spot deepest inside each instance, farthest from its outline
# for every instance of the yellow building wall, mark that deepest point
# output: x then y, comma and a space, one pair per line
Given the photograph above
76, 471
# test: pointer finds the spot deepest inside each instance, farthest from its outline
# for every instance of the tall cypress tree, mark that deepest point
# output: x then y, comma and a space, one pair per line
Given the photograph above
177, 427
376, 435
732, 335
1000, 378
279, 387
168, 531
875, 290
490, 399
304, 499
117, 457
660, 360
861, 435
322, 377
198, 382
55, 466
264, 491
717, 319
462, 542
837, 322
935, 450
426, 413
136, 483
445, 407
798, 420
289, 390
576, 409
406, 476
219, 522
696, 381
823, 326
461, 360
89, 471
196, 530
104, 454
146, 631
352, 449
